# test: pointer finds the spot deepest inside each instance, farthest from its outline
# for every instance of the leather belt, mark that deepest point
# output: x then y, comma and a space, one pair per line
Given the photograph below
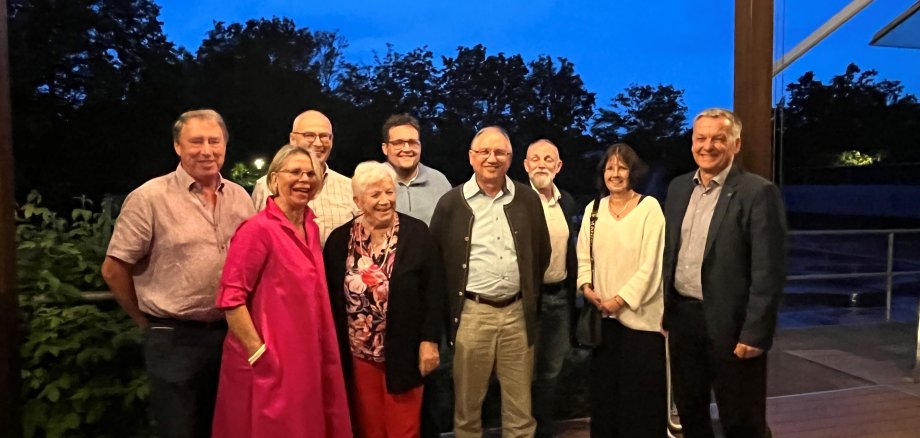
552, 288
497, 303
186, 323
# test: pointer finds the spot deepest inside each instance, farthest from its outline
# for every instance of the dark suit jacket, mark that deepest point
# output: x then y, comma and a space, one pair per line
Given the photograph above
744, 262
416, 308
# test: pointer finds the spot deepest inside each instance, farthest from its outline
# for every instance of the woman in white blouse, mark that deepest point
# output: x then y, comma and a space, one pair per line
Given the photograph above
628, 387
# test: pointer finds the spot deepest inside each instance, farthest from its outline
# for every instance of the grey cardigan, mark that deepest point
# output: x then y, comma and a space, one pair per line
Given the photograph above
451, 227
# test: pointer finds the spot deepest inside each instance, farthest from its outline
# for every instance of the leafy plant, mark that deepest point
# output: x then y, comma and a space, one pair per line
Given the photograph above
83, 373
246, 174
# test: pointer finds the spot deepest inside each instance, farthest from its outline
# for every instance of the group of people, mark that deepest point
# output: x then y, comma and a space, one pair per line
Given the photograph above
317, 305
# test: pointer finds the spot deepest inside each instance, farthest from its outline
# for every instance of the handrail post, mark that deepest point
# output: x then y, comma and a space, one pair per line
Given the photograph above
916, 372
889, 281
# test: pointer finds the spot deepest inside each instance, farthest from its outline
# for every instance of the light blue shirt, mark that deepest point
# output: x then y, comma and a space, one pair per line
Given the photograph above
419, 197
493, 263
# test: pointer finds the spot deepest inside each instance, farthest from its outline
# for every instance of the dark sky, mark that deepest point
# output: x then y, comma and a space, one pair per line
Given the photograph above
613, 43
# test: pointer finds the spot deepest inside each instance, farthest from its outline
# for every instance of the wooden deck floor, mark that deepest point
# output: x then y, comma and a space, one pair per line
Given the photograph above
874, 411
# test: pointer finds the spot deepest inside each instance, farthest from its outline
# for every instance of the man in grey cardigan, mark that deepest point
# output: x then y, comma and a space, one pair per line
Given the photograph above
493, 238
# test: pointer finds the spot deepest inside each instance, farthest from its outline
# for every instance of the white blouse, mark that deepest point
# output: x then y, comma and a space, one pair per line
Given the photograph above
627, 261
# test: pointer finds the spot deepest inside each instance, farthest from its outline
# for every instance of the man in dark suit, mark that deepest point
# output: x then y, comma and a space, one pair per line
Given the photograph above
557, 297
724, 269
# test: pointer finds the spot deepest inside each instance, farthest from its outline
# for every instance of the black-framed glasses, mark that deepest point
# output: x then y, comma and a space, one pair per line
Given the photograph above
297, 173
412, 143
310, 137
484, 153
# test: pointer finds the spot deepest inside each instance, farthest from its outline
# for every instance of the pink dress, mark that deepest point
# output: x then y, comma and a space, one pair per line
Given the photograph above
296, 389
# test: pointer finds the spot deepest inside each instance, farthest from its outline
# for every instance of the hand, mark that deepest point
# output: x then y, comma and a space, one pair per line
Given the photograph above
746, 351
428, 357
610, 307
592, 297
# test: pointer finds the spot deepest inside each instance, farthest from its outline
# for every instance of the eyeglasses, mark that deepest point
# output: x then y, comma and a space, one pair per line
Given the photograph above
413, 144
297, 173
310, 137
484, 153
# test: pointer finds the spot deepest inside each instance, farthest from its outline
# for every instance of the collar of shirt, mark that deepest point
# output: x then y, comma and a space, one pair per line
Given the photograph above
420, 178
718, 179
551, 201
275, 211
471, 188
188, 182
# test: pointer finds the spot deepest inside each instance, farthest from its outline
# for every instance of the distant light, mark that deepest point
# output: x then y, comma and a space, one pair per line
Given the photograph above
259, 163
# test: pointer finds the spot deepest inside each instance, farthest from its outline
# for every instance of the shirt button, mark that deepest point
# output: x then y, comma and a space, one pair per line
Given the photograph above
460, 293
463, 265
456, 319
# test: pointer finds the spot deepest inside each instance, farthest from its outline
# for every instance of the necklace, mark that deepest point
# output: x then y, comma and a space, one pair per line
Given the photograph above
625, 206
384, 250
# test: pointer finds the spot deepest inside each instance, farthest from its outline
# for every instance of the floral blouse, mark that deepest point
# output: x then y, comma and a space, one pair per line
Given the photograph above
367, 289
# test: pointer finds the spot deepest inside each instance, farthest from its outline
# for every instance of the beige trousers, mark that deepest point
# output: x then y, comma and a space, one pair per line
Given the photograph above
493, 339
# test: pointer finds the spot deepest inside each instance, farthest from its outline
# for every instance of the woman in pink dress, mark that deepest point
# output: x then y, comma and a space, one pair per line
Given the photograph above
281, 375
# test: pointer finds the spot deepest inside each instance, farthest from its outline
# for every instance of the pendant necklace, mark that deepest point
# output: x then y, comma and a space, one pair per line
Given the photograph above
625, 206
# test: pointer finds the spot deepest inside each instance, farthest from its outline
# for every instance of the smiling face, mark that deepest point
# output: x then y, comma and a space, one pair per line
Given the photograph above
713, 147
542, 164
378, 202
490, 156
313, 130
296, 182
403, 148
201, 147
616, 175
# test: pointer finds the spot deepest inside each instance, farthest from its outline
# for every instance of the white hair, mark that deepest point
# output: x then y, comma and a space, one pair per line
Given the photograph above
370, 172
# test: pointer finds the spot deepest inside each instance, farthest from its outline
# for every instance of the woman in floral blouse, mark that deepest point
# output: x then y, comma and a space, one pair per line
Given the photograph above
385, 286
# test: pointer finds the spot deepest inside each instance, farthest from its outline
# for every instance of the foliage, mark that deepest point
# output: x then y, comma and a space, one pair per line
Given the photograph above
856, 158
82, 365
96, 85
820, 121
646, 117
245, 174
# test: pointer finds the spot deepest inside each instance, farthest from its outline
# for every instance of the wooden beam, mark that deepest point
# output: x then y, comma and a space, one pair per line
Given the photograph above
753, 83
10, 409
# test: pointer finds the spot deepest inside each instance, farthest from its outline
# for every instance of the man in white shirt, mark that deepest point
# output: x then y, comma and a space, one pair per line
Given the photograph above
557, 296
334, 205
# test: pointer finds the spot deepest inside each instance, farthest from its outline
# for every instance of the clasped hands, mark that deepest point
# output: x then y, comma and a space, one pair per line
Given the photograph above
607, 307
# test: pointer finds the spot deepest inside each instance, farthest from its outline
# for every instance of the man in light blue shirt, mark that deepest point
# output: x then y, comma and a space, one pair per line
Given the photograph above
493, 238
418, 187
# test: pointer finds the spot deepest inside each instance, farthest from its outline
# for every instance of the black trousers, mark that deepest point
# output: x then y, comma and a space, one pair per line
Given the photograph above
183, 364
628, 384
740, 385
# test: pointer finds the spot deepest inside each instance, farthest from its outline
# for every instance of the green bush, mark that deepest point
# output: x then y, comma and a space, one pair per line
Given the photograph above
82, 372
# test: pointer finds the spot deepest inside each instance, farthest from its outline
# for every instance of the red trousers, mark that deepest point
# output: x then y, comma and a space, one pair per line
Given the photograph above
379, 413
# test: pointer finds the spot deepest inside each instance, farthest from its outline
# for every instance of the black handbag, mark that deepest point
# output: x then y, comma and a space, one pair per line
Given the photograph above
588, 329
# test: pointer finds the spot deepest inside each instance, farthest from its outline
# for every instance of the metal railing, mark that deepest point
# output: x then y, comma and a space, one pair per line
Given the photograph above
889, 274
